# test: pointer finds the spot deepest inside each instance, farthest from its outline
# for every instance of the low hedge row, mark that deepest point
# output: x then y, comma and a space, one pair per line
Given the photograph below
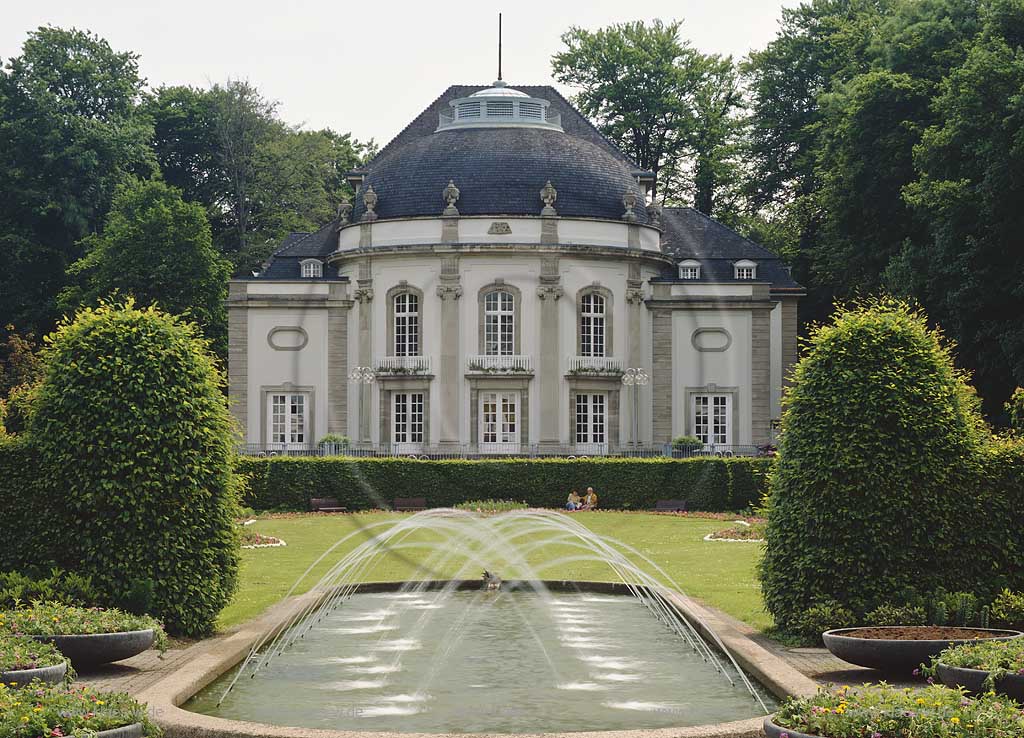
708, 484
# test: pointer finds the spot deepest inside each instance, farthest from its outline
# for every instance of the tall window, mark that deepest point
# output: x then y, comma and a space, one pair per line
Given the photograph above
711, 418
499, 323
590, 421
408, 417
592, 325
499, 421
407, 324
288, 418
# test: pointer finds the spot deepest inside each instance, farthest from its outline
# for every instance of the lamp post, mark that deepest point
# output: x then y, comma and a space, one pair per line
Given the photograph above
635, 378
362, 376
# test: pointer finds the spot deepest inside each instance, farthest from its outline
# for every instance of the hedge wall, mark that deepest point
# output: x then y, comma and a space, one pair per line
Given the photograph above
709, 484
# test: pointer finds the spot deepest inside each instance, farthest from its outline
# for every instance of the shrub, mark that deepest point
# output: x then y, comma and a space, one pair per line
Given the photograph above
334, 440
821, 616
134, 447
711, 484
55, 711
998, 657
931, 711
686, 442
878, 448
897, 615
1015, 409
68, 588
1008, 610
50, 618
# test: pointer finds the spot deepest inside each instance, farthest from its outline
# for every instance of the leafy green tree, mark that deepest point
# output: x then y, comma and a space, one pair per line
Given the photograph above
19, 360
69, 133
133, 439
156, 248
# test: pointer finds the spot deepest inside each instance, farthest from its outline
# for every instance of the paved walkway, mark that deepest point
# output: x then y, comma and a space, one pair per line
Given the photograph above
139, 672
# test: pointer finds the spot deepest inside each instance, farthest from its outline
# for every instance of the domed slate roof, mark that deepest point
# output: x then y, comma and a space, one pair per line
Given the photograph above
501, 171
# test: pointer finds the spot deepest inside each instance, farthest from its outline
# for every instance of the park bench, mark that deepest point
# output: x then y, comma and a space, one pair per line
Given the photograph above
410, 504
670, 506
325, 504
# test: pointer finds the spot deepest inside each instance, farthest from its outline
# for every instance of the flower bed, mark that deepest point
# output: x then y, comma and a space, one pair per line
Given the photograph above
252, 539
491, 506
53, 712
882, 711
53, 619
983, 666
745, 532
18, 654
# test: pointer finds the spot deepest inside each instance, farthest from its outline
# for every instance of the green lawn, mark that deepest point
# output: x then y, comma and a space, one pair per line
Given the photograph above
721, 574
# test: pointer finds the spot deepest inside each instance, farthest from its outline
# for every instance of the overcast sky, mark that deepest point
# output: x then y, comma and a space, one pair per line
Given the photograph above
368, 67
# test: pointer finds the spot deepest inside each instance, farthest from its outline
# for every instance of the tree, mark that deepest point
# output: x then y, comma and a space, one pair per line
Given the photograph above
69, 133
156, 248
649, 92
19, 361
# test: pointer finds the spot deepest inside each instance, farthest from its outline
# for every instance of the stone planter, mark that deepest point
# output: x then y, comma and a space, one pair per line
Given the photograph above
95, 649
896, 656
973, 680
48, 674
775, 731
128, 731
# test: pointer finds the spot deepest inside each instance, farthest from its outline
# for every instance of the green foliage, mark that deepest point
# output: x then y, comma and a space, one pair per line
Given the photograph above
491, 506
711, 484
53, 618
880, 437
886, 615
71, 711
334, 439
1008, 610
156, 248
17, 653
19, 360
68, 588
823, 615
999, 658
132, 442
686, 442
1015, 410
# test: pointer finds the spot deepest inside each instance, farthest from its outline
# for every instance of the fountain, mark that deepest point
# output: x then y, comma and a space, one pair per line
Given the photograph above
517, 652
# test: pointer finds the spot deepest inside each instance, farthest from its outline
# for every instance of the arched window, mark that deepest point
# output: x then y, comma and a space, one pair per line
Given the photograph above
407, 324
592, 325
312, 269
499, 323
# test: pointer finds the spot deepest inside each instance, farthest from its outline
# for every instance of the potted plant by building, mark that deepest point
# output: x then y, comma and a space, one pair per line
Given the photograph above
686, 445
56, 711
882, 711
86, 636
24, 660
334, 444
982, 666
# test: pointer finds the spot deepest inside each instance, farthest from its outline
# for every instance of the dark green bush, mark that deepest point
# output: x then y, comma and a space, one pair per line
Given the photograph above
711, 484
823, 615
68, 588
1008, 610
897, 615
877, 457
132, 441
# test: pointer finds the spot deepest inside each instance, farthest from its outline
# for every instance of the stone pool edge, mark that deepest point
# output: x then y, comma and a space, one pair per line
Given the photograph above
218, 655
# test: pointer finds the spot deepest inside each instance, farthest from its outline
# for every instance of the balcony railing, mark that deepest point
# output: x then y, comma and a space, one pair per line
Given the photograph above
402, 365
594, 365
509, 364
475, 451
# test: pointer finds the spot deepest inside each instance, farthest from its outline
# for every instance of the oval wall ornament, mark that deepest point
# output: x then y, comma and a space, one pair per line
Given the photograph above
288, 338
711, 339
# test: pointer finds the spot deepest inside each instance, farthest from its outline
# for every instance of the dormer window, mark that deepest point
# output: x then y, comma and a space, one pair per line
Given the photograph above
312, 269
689, 269
745, 269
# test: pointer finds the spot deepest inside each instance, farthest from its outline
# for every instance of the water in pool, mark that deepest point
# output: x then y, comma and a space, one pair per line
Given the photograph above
479, 661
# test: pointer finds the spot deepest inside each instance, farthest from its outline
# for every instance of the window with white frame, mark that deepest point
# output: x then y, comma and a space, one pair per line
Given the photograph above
407, 418
407, 324
711, 418
499, 323
689, 269
288, 418
591, 428
499, 421
592, 325
311, 269
745, 269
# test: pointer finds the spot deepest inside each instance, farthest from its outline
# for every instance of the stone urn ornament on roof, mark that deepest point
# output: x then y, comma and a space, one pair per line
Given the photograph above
629, 202
451, 196
370, 201
548, 195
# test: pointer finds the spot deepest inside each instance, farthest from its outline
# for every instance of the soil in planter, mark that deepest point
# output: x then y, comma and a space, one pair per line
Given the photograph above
920, 633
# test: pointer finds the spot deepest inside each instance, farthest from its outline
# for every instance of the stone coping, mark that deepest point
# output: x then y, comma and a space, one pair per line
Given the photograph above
217, 656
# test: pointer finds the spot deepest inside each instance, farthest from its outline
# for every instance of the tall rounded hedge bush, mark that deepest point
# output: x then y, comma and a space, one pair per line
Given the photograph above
880, 436
134, 442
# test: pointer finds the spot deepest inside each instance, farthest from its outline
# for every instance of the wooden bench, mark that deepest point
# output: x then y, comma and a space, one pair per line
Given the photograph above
326, 504
670, 506
410, 504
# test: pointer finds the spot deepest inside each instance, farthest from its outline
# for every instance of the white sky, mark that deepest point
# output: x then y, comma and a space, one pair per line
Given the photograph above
363, 66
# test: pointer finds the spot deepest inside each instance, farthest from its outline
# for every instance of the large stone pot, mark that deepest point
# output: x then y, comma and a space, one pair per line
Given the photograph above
897, 656
973, 680
22, 677
128, 731
95, 649
775, 731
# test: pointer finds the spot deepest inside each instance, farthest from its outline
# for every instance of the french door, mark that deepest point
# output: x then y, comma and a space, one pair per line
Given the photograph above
288, 420
407, 422
591, 423
499, 422
711, 414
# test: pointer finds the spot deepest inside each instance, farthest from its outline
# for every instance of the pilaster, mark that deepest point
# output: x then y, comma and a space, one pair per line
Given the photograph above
449, 290
661, 375
364, 296
549, 291
634, 344
238, 355
789, 338
760, 376
337, 359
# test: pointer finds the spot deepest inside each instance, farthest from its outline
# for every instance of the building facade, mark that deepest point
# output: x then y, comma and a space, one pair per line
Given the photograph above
498, 275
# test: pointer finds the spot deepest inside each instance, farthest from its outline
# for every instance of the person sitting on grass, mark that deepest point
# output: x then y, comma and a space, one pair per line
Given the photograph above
590, 501
573, 503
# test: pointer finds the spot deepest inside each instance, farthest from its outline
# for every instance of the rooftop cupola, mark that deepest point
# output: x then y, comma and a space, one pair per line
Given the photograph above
499, 106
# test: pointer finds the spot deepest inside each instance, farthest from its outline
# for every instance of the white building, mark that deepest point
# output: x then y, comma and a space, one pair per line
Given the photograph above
497, 273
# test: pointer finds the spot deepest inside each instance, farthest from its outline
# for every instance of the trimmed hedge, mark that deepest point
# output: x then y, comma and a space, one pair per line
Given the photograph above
708, 484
